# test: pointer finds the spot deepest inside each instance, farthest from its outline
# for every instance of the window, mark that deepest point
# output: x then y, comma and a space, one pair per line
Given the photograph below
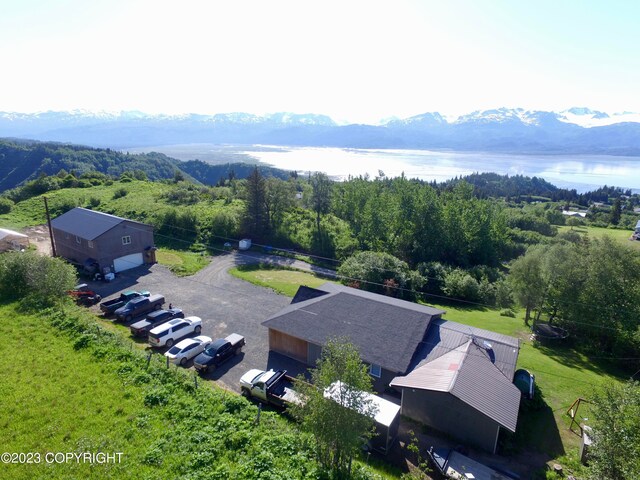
126, 240
375, 370
78, 240
90, 243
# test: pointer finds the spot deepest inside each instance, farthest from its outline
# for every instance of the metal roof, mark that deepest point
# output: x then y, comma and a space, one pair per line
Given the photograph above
385, 411
87, 224
468, 374
444, 336
386, 331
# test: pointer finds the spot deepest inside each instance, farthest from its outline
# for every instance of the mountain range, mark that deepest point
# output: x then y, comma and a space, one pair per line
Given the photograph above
512, 130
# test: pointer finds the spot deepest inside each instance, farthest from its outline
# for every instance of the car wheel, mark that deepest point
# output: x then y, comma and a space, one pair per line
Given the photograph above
238, 351
183, 361
157, 307
169, 343
128, 318
245, 392
198, 329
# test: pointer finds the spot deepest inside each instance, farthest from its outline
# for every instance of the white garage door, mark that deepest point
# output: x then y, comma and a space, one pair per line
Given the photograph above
127, 262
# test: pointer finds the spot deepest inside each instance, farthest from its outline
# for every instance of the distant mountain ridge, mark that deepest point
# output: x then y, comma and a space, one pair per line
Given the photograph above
514, 130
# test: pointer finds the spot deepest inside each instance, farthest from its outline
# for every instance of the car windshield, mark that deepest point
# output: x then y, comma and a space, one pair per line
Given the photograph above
211, 351
174, 350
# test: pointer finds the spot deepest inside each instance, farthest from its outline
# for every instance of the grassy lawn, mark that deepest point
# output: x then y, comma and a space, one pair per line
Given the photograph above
596, 232
285, 282
56, 399
181, 262
562, 374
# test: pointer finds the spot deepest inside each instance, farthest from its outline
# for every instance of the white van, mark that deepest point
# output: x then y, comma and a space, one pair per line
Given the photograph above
167, 333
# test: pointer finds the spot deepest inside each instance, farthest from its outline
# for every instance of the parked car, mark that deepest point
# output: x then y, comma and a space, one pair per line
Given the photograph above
186, 349
273, 387
168, 333
83, 295
218, 352
108, 307
152, 320
139, 306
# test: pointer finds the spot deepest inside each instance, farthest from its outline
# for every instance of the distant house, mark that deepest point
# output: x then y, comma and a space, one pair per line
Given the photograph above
102, 242
571, 213
10, 240
454, 378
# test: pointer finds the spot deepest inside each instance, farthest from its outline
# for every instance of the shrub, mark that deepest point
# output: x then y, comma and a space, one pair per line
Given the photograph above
459, 284
507, 312
5, 205
36, 279
120, 192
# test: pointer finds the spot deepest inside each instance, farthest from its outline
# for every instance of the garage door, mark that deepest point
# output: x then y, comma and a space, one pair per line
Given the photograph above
127, 262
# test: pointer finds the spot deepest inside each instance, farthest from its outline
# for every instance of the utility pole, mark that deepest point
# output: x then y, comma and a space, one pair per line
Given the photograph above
53, 245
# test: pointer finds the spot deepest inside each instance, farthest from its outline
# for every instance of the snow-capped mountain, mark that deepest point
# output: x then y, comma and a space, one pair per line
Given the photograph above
576, 130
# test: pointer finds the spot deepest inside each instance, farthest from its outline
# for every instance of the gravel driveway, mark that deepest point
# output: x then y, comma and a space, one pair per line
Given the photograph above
225, 303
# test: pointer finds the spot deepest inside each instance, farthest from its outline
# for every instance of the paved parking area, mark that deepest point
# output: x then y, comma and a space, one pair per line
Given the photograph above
226, 305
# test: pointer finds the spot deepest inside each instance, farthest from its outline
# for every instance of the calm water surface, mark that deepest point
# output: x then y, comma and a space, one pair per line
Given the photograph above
582, 172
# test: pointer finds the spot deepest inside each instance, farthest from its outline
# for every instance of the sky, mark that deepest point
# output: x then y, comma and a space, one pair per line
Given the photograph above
356, 61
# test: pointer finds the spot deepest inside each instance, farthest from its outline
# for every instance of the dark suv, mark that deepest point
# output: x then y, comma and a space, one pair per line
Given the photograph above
141, 328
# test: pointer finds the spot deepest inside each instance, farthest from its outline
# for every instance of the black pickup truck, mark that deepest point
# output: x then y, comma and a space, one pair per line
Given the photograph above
109, 307
139, 306
218, 352
142, 328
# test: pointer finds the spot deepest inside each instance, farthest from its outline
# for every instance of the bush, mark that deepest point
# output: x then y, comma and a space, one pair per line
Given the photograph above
507, 312
459, 284
120, 192
5, 205
36, 279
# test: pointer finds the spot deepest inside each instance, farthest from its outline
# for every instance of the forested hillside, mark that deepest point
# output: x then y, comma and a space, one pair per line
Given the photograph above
21, 161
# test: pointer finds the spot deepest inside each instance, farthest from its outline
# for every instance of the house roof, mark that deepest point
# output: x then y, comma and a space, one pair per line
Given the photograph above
445, 336
87, 224
386, 331
468, 373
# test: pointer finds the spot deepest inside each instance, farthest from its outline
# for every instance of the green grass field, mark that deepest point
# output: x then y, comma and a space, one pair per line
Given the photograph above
56, 399
562, 374
180, 262
285, 282
597, 232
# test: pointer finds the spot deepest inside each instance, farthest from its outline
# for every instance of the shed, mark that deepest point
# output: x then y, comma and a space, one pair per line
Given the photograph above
387, 418
11, 240
103, 242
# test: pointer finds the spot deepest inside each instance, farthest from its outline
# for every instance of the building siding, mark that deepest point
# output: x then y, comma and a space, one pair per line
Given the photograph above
444, 412
287, 345
107, 246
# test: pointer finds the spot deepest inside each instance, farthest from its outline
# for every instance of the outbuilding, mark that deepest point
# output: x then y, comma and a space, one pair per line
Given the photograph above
102, 242
10, 240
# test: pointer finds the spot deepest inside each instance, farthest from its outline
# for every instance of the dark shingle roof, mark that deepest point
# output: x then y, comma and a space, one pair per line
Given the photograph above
387, 331
87, 224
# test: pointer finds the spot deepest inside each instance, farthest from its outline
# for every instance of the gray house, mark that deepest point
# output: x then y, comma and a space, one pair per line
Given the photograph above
462, 383
454, 378
387, 331
101, 241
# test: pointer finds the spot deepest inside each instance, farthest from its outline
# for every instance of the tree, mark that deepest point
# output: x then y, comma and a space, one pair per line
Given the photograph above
278, 199
527, 281
43, 280
615, 453
616, 211
255, 215
376, 270
341, 423
321, 195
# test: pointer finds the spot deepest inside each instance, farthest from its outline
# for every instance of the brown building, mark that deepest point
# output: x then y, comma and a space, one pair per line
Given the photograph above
102, 242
